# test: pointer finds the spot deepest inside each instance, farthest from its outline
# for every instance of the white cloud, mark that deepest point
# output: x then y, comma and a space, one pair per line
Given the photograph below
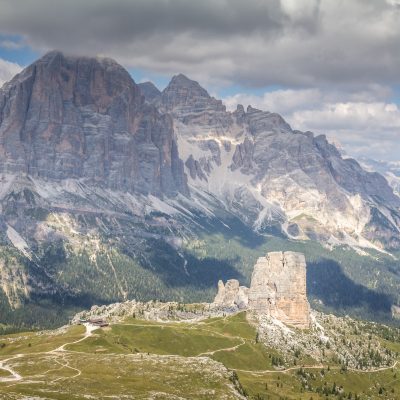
8, 70
299, 9
11, 44
361, 116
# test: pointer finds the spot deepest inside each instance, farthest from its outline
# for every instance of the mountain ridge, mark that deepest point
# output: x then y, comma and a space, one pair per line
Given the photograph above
252, 142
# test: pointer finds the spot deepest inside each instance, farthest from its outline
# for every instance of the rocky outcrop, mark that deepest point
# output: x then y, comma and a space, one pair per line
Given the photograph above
231, 295
85, 118
278, 288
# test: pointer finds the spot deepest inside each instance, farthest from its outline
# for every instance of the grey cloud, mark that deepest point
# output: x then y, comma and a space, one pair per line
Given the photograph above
122, 21
251, 43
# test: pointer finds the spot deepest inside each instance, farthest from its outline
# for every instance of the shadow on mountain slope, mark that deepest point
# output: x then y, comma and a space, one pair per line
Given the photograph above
183, 269
327, 282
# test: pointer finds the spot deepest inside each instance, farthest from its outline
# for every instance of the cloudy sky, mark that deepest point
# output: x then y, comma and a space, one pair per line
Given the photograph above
329, 66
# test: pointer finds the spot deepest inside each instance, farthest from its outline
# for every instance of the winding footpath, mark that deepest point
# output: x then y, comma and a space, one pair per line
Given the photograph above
269, 371
62, 351
15, 376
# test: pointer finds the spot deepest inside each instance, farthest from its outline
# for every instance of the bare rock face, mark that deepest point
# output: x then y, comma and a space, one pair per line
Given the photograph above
278, 288
231, 295
297, 184
85, 118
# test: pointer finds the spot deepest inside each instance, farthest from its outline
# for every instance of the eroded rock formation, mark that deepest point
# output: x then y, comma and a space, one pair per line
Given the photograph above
231, 295
278, 289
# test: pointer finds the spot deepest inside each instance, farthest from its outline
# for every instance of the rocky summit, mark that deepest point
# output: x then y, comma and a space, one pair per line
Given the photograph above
275, 178
277, 290
83, 118
231, 295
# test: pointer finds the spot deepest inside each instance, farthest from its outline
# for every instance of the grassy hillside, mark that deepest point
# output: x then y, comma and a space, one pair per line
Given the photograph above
214, 358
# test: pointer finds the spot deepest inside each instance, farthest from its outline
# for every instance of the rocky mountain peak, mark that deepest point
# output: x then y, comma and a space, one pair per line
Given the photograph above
184, 96
182, 81
251, 109
85, 118
150, 91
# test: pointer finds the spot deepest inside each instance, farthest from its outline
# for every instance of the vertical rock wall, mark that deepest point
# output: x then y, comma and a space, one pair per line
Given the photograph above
278, 288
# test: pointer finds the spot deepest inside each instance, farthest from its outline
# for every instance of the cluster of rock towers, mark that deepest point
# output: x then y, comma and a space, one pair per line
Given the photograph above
277, 289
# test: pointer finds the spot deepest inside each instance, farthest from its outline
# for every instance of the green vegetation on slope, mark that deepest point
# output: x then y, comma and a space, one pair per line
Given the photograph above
135, 359
130, 260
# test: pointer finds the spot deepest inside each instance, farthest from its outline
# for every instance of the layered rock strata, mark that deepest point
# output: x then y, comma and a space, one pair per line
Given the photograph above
275, 178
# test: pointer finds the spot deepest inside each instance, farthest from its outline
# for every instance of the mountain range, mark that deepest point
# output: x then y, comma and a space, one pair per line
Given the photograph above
111, 190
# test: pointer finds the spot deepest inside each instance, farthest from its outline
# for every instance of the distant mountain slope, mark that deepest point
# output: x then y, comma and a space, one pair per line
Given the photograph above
390, 170
149, 91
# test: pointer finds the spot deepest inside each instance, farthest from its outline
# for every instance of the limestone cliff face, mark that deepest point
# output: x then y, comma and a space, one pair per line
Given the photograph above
85, 118
276, 178
278, 288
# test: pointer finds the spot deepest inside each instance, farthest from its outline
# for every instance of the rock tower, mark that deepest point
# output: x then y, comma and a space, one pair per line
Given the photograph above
278, 289
231, 295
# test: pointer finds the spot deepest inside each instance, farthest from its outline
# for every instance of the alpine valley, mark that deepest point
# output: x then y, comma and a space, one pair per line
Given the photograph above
112, 191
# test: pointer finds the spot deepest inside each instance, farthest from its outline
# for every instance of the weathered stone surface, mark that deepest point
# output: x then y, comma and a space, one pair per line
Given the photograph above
231, 295
395, 311
85, 118
292, 177
278, 288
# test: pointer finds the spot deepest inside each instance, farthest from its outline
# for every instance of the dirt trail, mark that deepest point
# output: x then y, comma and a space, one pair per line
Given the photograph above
268, 371
210, 353
15, 376
88, 333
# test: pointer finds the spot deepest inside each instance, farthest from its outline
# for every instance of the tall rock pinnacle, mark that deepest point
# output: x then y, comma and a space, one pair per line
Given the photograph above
278, 288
